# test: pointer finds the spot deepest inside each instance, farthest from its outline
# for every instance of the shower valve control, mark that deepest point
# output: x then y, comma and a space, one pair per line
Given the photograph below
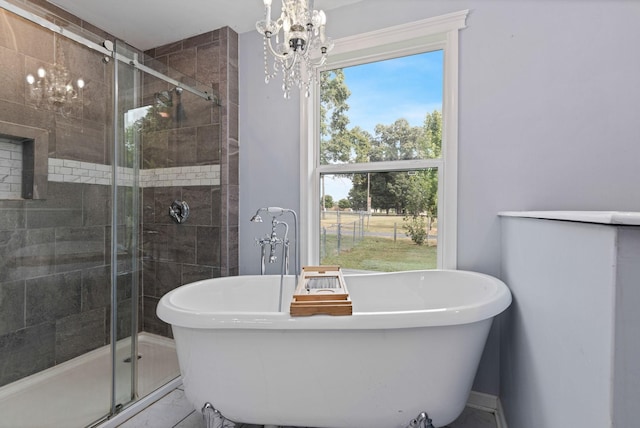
179, 211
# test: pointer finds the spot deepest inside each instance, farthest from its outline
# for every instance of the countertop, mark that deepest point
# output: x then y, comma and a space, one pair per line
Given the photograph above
629, 218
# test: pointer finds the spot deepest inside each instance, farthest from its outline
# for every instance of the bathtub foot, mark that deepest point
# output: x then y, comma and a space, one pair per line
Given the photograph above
214, 419
422, 421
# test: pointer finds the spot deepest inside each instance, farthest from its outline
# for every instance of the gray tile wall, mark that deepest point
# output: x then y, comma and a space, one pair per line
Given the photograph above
54, 279
206, 245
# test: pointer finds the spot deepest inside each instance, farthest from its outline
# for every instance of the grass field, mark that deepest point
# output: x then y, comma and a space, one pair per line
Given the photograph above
373, 223
375, 252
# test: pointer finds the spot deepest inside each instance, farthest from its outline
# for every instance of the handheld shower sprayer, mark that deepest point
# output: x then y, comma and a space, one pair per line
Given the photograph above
270, 210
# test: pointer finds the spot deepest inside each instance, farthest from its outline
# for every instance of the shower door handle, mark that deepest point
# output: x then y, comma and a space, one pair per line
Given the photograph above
179, 211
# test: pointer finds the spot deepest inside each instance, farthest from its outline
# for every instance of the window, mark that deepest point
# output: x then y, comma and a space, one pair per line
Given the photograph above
400, 167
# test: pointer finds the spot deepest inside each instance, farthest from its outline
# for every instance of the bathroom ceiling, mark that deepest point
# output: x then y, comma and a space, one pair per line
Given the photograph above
145, 24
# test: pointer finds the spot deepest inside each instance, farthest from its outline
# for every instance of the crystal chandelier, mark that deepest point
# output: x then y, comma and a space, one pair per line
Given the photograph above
52, 87
300, 43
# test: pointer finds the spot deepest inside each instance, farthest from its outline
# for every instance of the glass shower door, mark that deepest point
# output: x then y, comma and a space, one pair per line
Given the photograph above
166, 155
55, 281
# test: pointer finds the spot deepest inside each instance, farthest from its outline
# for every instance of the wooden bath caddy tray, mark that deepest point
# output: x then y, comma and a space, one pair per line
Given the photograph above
321, 290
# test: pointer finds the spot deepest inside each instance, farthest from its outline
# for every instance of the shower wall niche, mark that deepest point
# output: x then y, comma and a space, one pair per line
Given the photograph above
23, 162
11, 168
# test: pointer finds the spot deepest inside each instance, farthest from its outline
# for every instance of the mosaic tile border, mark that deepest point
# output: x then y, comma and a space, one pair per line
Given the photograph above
71, 171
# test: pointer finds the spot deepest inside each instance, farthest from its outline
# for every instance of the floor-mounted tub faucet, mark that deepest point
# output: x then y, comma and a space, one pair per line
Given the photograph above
272, 241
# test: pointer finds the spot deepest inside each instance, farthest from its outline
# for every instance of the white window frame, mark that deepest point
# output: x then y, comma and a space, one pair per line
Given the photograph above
438, 33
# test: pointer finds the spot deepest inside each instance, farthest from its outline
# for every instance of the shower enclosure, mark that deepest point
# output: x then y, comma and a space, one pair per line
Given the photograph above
97, 141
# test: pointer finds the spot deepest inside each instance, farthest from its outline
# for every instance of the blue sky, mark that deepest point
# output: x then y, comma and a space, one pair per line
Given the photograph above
407, 87
384, 91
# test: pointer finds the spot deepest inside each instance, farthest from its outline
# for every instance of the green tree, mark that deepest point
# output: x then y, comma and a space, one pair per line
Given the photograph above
360, 144
383, 191
405, 193
421, 204
335, 143
343, 204
416, 229
398, 141
433, 134
422, 195
336, 140
328, 201
358, 192
410, 194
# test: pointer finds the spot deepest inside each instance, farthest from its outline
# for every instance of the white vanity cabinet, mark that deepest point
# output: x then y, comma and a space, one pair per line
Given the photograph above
570, 354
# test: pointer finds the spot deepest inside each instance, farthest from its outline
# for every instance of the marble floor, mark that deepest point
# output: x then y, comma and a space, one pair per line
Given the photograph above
173, 411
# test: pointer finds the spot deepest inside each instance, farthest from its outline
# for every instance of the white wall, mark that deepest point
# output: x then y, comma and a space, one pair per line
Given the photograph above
549, 106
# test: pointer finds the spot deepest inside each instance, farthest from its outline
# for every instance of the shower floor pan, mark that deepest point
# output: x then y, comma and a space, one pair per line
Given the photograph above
77, 392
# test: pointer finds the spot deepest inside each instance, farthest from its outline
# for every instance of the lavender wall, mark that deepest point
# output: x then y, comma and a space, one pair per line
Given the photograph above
548, 110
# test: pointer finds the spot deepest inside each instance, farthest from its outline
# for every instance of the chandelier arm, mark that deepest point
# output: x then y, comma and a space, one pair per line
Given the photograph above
288, 65
288, 60
320, 62
273, 52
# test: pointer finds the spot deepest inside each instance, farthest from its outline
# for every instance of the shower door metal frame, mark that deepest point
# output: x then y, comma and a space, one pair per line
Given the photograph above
135, 256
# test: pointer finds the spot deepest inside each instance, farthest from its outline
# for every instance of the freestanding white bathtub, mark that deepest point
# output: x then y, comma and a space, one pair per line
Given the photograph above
412, 345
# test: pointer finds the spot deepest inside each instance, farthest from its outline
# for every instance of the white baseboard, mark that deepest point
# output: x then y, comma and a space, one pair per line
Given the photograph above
488, 403
500, 419
482, 401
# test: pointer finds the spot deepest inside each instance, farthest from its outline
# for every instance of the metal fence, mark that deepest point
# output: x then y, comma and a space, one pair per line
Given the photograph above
343, 230
342, 235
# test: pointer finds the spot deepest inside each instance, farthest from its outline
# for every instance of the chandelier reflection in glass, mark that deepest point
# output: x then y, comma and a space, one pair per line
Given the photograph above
52, 87
300, 43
